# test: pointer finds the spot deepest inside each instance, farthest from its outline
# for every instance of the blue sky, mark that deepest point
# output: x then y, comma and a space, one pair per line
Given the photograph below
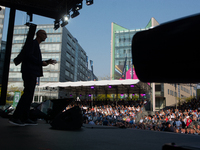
92, 28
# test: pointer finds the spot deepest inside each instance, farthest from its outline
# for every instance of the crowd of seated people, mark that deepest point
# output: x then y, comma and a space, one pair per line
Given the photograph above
185, 119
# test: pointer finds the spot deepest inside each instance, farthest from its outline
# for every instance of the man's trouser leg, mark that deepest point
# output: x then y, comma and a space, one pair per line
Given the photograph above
23, 107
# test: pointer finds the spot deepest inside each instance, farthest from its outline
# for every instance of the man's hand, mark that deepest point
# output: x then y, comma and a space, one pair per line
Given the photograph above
49, 61
52, 62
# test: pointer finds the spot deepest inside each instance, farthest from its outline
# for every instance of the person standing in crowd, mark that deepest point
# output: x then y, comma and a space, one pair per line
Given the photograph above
169, 127
31, 68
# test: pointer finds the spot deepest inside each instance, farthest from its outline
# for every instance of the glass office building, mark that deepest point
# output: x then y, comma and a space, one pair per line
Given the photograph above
2, 14
2, 43
59, 45
122, 68
121, 55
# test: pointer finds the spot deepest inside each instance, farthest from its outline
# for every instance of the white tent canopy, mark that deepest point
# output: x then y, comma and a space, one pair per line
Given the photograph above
101, 87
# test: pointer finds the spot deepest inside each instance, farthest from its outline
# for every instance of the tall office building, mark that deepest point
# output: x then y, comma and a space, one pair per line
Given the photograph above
121, 55
122, 68
61, 46
2, 44
2, 14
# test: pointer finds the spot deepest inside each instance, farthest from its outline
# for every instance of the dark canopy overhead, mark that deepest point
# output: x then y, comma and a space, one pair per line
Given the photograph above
54, 9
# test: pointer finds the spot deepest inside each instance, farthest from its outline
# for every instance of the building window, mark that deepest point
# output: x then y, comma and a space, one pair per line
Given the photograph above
72, 76
175, 94
68, 55
68, 46
72, 59
73, 51
67, 73
67, 64
157, 87
72, 67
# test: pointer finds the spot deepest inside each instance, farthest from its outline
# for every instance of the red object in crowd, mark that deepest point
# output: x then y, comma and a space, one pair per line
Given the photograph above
188, 122
167, 119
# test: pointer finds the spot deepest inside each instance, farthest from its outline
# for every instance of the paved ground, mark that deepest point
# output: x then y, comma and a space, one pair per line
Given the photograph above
41, 137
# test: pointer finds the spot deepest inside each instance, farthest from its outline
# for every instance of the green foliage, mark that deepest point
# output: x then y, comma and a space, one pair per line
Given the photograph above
106, 77
103, 96
198, 92
136, 96
188, 99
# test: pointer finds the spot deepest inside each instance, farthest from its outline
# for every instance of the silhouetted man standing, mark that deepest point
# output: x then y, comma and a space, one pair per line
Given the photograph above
31, 69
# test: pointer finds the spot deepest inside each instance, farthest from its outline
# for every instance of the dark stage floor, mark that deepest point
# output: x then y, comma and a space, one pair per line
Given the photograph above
41, 137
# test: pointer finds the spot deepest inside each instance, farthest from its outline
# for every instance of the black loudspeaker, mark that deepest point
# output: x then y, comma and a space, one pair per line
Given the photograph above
169, 52
172, 146
52, 109
69, 120
58, 106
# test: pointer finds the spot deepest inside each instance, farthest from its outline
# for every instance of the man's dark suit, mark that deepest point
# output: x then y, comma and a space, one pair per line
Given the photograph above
31, 69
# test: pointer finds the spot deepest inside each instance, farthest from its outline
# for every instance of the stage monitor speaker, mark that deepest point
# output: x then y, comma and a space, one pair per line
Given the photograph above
52, 108
169, 52
71, 119
173, 146
58, 106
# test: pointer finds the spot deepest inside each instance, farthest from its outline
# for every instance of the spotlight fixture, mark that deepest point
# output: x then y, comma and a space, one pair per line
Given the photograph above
75, 13
92, 87
78, 6
89, 2
65, 20
64, 23
131, 85
110, 86
89, 95
65, 17
56, 24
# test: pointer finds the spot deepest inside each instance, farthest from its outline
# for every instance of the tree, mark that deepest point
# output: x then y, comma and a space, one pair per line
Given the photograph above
103, 96
188, 99
106, 77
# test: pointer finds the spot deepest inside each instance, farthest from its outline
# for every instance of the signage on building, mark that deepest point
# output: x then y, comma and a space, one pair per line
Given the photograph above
17, 96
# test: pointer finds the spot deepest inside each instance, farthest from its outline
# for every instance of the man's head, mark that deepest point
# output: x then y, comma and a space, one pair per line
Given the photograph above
41, 36
168, 124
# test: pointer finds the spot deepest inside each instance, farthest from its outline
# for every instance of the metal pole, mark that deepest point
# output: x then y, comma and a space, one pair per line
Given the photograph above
116, 95
38, 94
175, 97
179, 91
7, 56
153, 96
